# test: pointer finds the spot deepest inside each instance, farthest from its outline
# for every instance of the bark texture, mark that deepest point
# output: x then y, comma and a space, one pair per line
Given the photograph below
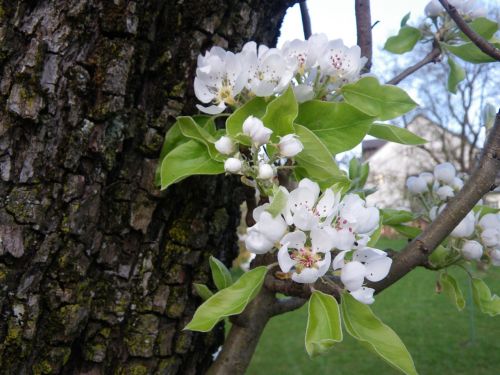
96, 265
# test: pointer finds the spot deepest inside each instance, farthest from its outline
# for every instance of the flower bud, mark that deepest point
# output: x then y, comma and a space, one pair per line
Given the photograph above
256, 242
489, 237
445, 172
233, 165
428, 177
490, 221
457, 184
225, 145
416, 185
433, 9
445, 192
255, 129
472, 250
290, 146
265, 171
353, 275
465, 228
495, 257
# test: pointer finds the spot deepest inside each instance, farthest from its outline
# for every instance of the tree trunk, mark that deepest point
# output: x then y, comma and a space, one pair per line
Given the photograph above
96, 265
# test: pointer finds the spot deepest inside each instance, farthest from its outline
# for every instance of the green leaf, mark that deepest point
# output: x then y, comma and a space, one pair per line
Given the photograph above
407, 231
396, 134
383, 101
362, 324
405, 40
354, 167
190, 158
456, 75
393, 217
440, 257
203, 291
323, 323
363, 174
483, 210
482, 26
316, 162
405, 19
220, 274
470, 52
375, 235
255, 107
229, 301
452, 290
339, 125
489, 304
280, 114
278, 204
191, 129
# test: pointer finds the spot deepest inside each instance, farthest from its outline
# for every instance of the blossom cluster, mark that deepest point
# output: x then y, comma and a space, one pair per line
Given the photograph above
310, 226
477, 236
315, 68
467, 8
259, 165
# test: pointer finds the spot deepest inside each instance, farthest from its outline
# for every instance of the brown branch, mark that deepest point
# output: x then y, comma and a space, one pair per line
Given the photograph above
432, 56
306, 20
364, 30
475, 38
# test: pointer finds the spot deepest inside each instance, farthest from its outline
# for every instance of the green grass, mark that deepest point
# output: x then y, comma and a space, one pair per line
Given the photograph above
441, 339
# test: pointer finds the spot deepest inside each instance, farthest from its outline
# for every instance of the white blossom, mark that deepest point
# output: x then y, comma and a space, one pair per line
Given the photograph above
444, 192
490, 237
340, 63
433, 9
472, 250
417, 185
233, 165
458, 183
289, 146
255, 129
428, 177
354, 214
266, 171
225, 145
465, 228
364, 295
445, 173
267, 230
495, 257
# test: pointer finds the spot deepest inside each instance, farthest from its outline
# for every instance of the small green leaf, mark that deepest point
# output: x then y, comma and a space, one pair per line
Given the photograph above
255, 107
393, 217
190, 158
363, 174
395, 134
316, 162
203, 291
405, 19
191, 129
456, 75
452, 290
280, 114
323, 323
440, 257
375, 235
470, 52
489, 304
278, 203
220, 274
482, 26
362, 324
229, 301
383, 101
340, 126
483, 210
354, 167
405, 40
407, 231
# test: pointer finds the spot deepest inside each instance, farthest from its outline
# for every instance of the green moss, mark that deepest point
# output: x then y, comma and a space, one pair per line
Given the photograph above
133, 369
179, 89
180, 231
95, 352
43, 367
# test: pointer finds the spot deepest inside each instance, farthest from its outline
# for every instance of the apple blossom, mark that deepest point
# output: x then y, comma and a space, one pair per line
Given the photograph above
490, 237
445, 172
495, 257
445, 192
472, 250
255, 129
307, 263
266, 171
465, 228
364, 295
433, 9
289, 146
225, 145
353, 275
457, 184
340, 63
354, 214
417, 185
233, 165
267, 230
428, 177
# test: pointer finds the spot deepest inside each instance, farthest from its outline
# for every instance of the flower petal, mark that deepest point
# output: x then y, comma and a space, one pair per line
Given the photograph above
378, 269
321, 240
285, 262
364, 295
213, 109
338, 261
328, 203
324, 264
306, 276
353, 275
295, 240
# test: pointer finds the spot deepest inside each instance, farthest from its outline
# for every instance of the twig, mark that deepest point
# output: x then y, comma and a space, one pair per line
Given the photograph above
364, 30
475, 38
430, 57
306, 20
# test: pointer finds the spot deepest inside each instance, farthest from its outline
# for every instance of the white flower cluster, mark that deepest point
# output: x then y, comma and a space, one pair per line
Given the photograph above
315, 67
467, 8
475, 232
310, 226
260, 167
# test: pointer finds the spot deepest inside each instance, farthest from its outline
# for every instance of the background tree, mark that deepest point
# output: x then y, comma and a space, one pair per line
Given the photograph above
96, 266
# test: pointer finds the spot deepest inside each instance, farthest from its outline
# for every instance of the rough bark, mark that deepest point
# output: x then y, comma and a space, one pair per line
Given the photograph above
96, 265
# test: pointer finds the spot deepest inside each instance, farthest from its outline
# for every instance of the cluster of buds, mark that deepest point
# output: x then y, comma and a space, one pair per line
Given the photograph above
467, 8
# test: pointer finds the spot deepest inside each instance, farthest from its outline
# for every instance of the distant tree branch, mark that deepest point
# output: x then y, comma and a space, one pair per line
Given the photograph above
306, 19
475, 38
432, 56
364, 30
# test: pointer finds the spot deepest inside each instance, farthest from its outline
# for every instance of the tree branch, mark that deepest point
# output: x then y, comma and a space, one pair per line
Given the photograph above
432, 56
364, 30
475, 38
306, 20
